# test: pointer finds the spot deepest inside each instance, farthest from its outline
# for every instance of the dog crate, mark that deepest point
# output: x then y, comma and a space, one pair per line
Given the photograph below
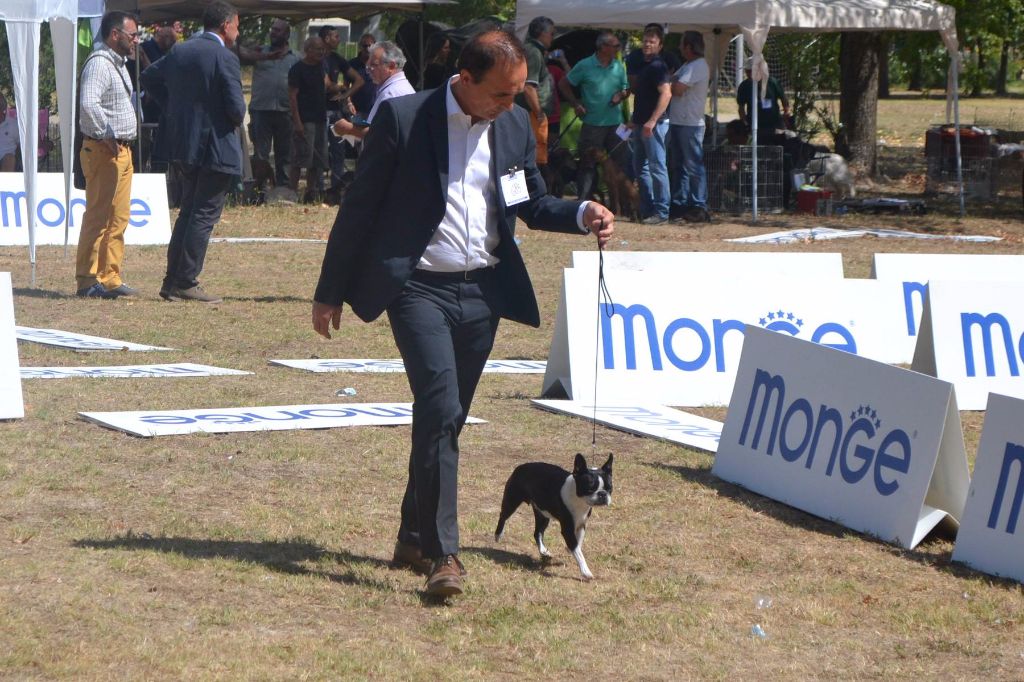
975, 157
730, 176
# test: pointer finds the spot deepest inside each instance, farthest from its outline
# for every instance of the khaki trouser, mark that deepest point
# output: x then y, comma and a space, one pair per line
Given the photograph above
108, 188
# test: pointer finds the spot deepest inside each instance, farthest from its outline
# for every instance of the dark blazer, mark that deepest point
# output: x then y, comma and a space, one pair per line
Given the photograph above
199, 87
398, 198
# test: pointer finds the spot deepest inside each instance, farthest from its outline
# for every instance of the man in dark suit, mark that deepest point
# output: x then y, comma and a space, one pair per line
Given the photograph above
426, 234
198, 85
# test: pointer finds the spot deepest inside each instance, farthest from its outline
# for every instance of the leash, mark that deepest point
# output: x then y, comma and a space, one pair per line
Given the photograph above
606, 305
562, 130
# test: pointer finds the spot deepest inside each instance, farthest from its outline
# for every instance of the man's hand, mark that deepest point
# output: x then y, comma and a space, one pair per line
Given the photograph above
324, 317
648, 130
601, 222
111, 144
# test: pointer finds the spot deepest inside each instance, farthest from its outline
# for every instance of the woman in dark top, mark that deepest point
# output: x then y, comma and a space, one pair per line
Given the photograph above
439, 49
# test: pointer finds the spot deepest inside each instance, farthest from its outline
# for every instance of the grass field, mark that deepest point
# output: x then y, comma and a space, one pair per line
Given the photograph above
265, 555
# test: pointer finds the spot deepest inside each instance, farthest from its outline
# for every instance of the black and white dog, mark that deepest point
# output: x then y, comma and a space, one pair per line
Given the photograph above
554, 493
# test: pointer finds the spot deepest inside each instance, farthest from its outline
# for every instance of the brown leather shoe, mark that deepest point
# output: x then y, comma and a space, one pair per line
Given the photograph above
411, 556
446, 577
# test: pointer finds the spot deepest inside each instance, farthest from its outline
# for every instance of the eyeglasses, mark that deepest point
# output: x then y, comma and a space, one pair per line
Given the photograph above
133, 36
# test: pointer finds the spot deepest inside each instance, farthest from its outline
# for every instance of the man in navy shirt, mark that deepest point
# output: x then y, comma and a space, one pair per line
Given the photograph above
652, 94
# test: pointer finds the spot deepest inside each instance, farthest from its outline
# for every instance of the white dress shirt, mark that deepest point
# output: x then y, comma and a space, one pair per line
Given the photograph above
468, 232
396, 85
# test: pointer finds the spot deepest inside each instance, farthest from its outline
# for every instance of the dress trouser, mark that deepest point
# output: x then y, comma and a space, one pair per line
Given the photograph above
203, 193
273, 127
108, 195
444, 330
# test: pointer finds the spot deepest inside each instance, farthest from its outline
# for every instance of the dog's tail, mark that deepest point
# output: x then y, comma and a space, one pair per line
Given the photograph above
510, 501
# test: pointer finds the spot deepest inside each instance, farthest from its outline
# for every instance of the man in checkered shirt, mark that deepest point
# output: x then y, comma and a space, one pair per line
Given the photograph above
109, 125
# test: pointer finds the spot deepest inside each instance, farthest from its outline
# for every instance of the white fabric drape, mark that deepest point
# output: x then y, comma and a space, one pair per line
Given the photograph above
65, 57
23, 41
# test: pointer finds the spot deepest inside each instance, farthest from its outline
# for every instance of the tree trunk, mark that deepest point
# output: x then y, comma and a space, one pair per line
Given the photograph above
976, 85
883, 68
858, 98
1004, 67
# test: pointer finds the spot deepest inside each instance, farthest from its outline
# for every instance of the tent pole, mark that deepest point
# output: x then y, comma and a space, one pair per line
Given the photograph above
714, 88
755, 108
423, 52
955, 66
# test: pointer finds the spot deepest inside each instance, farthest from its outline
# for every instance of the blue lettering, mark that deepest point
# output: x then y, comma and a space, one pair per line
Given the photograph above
627, 315
803, 407
705, 345
721, 327
76, 203
773, 386
886, 460
166, 419
847, 344
59, 220
797, 431
1013, 454
329, 413
985, 322
287, 416
15, 199
225, 418
139, 208
910, 290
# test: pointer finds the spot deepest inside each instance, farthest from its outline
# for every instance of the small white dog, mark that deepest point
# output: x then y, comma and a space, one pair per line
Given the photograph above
831, 172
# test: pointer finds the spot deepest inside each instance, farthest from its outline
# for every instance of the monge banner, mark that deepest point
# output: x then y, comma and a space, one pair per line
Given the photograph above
149, 222
972, 335
914, 270
667, 338
991, 537
869, 446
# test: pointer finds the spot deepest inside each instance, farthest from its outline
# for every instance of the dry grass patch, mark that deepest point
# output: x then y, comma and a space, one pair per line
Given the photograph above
265, 555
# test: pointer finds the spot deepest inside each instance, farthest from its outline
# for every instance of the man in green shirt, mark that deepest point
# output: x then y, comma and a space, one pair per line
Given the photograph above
537, 96
602, 85
769, 113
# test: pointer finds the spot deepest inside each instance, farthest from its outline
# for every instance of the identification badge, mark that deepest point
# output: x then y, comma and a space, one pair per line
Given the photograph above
623, 132
513, 187
766, 104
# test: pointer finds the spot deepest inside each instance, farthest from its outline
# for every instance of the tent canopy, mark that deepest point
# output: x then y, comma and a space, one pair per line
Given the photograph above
163, 10
733, 16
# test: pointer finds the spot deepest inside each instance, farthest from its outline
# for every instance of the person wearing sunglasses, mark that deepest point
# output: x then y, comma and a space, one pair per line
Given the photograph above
109, 127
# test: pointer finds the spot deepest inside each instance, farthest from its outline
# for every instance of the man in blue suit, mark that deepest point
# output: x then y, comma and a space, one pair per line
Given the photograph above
426, 233
198, 85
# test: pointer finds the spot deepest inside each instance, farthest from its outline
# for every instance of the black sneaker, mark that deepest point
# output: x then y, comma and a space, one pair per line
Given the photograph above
654, 220
697, 214
123, 290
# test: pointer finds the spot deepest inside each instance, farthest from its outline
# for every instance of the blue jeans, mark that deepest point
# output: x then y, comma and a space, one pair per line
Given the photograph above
688, 154
651, 172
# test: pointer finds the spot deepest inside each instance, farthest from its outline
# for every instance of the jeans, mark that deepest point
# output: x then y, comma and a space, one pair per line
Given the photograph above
691, 187
651, 172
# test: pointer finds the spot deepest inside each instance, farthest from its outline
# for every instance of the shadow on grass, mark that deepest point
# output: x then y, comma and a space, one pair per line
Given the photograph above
288, 556
30, 292
925, 553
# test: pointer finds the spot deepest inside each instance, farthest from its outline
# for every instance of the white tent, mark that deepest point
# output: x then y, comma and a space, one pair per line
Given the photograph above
160, 10
755, 18
23, 19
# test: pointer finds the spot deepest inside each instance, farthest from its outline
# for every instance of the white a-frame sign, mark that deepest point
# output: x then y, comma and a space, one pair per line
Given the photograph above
991, 537
971, 335
872, 447
12, 404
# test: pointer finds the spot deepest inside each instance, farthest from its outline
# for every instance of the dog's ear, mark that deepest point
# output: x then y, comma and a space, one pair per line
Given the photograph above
608, 465
580, 465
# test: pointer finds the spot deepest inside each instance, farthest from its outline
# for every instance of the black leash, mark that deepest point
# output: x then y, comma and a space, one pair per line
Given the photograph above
605, 304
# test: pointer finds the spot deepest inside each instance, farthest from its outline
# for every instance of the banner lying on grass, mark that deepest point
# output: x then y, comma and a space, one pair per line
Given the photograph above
872, 447
75, 341
492, 366
914, 270
719, 264
826, 233
149, 222
269, 418
673, 340
991, 537
972, 335
12, 403
180, 369
656, 421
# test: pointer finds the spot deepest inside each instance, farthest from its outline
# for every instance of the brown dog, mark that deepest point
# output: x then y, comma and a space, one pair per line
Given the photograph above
623, 196
559, 169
